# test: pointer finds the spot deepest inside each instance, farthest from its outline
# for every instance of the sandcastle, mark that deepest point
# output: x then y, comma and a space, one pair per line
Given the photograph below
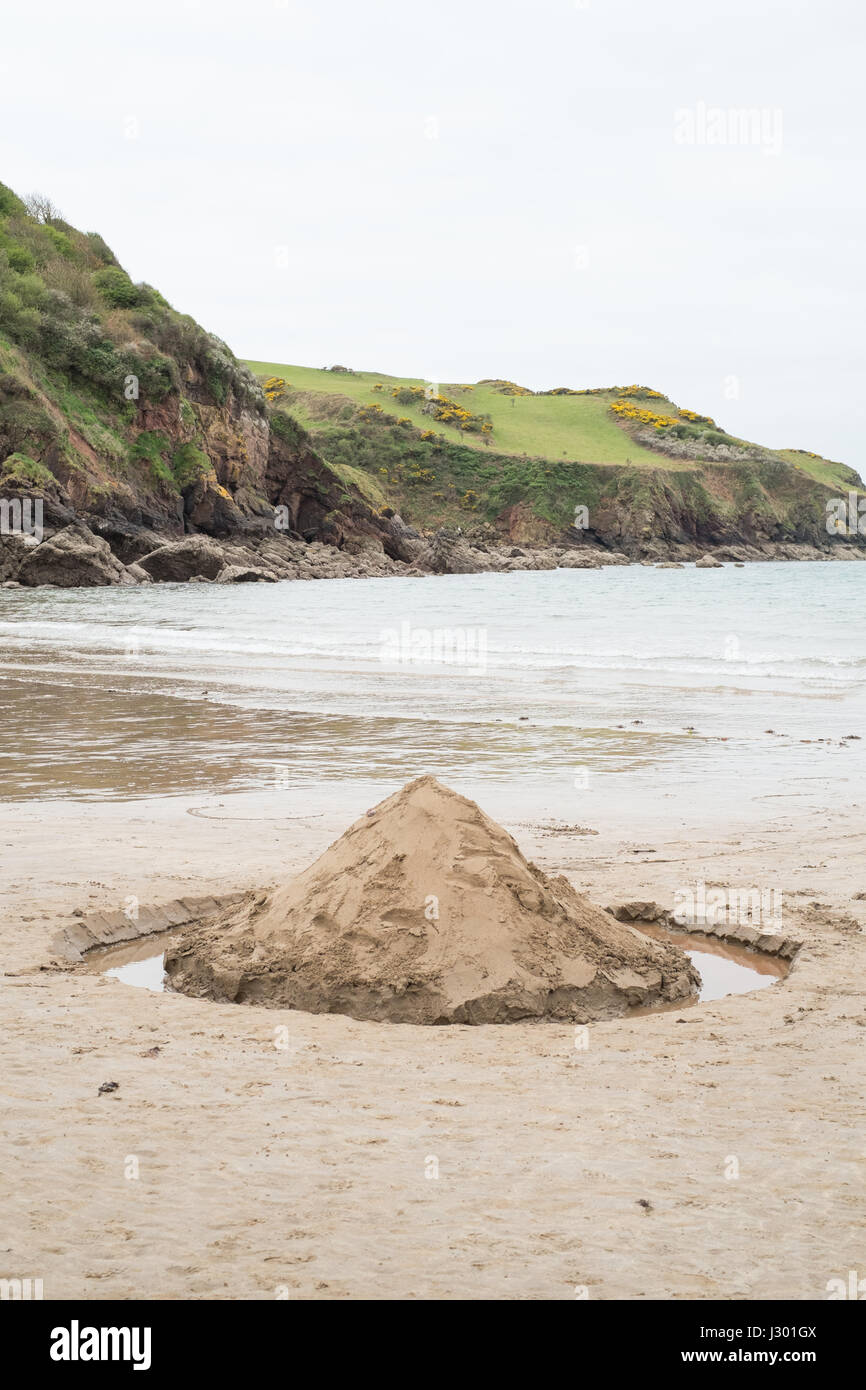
426, 912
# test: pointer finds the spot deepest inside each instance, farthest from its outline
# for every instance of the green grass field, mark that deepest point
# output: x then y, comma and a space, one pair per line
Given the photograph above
555, 427
821, 469
574, 428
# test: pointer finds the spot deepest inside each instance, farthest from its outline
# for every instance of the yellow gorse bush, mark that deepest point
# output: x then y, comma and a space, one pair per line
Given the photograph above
697, 419
450, 412
627, 411
274, 388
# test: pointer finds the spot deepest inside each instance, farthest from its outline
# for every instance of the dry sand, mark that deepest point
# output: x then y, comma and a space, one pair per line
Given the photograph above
426, 912
249, 1153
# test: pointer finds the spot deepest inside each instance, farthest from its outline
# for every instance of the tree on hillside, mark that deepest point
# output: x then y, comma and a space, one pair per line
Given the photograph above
42, 208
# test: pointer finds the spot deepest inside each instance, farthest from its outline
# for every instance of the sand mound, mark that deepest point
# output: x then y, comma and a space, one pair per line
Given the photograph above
425, 911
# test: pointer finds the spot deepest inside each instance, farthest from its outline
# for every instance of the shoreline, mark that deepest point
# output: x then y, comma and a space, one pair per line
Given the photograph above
78, 557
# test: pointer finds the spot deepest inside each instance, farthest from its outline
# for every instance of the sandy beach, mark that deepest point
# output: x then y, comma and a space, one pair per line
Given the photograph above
714, 1153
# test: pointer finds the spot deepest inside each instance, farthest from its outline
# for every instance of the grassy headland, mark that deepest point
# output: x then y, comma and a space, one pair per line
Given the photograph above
466, 452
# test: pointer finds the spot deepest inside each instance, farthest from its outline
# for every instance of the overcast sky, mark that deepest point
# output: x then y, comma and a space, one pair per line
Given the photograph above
557, 192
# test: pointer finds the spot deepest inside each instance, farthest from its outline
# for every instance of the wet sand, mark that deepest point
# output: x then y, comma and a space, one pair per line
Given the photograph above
344, 1159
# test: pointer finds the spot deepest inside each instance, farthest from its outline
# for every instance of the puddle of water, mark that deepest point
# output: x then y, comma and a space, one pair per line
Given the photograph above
724, 967
140, 963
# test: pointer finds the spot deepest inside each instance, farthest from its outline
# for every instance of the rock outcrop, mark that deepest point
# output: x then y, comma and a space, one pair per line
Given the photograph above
244, 574
73, 558
447, 552
181, 560
14, 550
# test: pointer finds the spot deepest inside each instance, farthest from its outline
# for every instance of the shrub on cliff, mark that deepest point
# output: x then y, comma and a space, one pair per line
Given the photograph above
189, 464
99, 250
27, 428
117, 289
286, 428
22, 471
10, 203
407, 395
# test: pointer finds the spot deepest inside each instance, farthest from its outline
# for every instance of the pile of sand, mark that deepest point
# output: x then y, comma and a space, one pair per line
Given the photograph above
425, 911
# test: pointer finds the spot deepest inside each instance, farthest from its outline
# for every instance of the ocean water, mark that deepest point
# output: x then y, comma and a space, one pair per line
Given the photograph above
569, 691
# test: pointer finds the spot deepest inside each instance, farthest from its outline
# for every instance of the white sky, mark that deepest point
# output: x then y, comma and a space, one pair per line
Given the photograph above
455, 191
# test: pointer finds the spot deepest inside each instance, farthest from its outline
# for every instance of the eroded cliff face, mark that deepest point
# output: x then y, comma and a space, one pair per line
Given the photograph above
203, 490
183, 465
645, 513
651, 514
261, 474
